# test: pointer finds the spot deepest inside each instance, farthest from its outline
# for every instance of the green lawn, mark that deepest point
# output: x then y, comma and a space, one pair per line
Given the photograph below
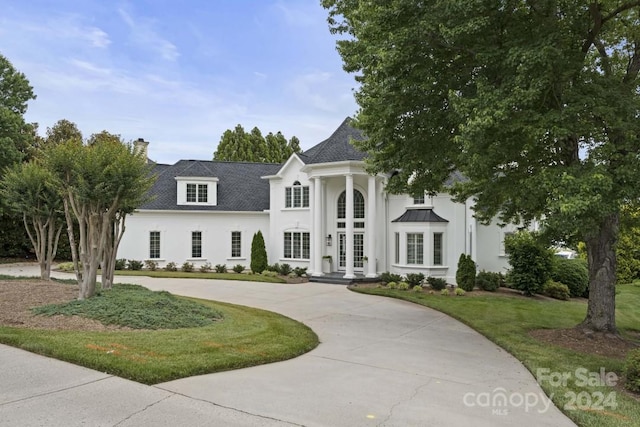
199, 275
244, 337
506, 320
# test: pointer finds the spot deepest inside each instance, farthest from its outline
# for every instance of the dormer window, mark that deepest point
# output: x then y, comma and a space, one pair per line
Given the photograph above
296, 196
418, 200
197, 193
197, 190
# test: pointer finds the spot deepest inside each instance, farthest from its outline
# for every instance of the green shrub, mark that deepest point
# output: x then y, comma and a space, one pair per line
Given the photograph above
221, 268
151, 265
488, 281
285, 269
388, 277
269, 273
134, 264
466, 273
258, 253
459, 292
444, 292
415, 279
171, 266
632, 371
275, 267
392, 285
530, 262
572, 272
300, 271
187, 267
206, 267
437, 283
556, 290
67, 267
403, 286
121, 264
238, 268
417, 288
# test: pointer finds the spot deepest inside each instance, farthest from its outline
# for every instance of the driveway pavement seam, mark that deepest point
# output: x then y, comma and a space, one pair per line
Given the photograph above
133, 414
60, 390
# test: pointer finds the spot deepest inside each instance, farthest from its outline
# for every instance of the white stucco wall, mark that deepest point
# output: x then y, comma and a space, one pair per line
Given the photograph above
175, 229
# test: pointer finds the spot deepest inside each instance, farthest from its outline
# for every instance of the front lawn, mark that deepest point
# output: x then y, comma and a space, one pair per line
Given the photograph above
234, 336
508, 320
199, 275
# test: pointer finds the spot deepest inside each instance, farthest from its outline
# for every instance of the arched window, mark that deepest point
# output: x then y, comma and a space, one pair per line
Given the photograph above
296, 196
358, 205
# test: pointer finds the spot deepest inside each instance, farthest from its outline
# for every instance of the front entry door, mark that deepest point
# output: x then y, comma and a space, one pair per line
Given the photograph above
358, 251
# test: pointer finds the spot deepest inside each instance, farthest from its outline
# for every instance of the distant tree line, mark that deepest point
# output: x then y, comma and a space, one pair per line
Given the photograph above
239, 146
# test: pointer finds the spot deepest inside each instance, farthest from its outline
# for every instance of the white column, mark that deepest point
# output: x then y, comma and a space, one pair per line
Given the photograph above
318, 233
313, 235
371, 228
349, 234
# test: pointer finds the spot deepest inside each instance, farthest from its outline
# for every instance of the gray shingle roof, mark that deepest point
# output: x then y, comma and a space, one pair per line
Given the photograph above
336, 148
419, 215
240, 186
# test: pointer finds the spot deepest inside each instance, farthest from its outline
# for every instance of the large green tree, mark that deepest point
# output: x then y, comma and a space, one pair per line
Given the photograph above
100, 183
536, 102
238, 145
16, 138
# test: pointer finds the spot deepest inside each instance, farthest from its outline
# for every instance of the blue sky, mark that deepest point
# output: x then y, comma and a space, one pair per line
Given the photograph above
179, 73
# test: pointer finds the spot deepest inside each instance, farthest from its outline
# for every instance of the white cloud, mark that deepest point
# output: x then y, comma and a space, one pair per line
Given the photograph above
97, 37
143, 34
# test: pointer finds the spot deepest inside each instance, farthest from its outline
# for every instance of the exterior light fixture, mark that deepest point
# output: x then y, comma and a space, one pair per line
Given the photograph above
329, 240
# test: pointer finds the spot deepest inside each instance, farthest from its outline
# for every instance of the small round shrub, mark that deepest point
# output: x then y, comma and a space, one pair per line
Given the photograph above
488, 281
530, 262
187, 267
238, 268
392, 285
417, 288
556, 290
285, 269
171, 266
632, 371
403, 286
415, 279
151, 265
388, 277
206, 267
436, 283
221, 268
134, 264
300, 271
572, 272
459, 292
444, 292
67, 267
121, 264
269, 273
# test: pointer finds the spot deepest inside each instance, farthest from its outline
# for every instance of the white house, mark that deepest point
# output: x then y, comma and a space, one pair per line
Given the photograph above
318, 204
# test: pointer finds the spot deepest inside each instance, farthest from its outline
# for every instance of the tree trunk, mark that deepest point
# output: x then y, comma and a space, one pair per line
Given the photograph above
601, 310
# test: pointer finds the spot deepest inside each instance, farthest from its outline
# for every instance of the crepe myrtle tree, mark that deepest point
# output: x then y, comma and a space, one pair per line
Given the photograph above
100, 183
535, 102
27, 188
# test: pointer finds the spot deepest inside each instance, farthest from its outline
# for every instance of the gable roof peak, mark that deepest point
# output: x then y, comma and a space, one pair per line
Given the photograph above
338, 147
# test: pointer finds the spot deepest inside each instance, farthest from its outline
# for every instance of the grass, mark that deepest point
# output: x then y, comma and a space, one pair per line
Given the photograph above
137, 307
199, 275
246, 337
507, 320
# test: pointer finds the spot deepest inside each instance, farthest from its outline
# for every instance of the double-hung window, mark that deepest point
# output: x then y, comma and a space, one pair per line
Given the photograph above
296, 245
296, 196
197, 193
154, 244
415, 248
437, 248
236, 244
196, 244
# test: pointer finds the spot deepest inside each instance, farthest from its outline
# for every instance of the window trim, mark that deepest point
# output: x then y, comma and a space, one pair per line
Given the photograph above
239, 244
440, 251
418, 248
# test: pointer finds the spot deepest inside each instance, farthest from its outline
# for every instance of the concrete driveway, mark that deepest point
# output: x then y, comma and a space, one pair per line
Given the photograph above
381, 362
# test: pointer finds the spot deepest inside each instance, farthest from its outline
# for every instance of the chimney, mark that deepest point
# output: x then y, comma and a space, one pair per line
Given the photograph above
140, 146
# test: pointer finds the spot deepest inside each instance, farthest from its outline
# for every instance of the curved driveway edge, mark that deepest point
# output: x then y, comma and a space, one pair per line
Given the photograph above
381, 362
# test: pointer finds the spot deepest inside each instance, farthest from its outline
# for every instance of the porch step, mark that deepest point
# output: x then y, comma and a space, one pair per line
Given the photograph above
338, 279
